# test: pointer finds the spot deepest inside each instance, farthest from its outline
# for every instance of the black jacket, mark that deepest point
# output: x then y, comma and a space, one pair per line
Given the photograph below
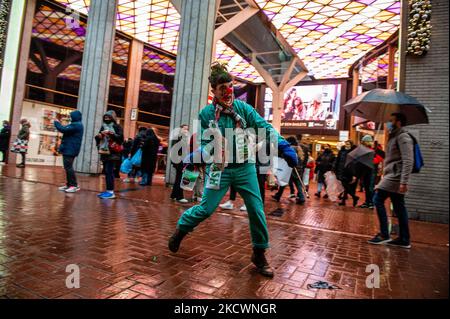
324, 163
149, 152
118, 138
339, 164
5, 135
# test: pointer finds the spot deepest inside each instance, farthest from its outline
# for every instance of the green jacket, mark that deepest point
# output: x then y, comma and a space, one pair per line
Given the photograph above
247, 112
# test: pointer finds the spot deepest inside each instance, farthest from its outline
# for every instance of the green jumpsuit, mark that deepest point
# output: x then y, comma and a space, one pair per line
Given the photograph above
242, 177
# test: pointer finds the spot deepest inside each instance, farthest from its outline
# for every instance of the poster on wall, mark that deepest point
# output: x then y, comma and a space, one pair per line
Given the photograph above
311, 106
44, 139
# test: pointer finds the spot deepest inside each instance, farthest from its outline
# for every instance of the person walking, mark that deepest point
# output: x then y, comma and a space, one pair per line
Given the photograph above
324, 164
5, 136
149, 157
109, 142
20, 145
70, 148
368, 175
399, 163
300, 198
345, 174
308, 175
226, 112
138, 143
182, 140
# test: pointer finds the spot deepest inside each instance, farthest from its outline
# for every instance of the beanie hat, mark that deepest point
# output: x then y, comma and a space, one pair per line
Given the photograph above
367, 139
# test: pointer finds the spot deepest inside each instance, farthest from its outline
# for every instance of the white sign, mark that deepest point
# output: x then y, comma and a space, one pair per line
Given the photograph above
134, 114
344, 136
318, 147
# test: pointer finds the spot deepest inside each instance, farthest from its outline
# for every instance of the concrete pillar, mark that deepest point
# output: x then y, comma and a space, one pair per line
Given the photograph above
132, 88
11, 56
277, 108
193, 64
21, 75
95, 78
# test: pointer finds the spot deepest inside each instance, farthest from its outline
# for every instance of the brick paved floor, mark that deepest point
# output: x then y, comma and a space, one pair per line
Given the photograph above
120, 247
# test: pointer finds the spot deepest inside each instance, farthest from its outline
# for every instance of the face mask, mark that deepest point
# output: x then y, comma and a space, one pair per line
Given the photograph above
390, 126
107, 121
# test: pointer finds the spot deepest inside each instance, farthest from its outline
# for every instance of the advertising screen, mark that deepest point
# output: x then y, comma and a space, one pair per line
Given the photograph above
313, 106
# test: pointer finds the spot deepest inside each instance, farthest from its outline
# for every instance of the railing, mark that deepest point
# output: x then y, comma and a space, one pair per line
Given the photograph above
46, 90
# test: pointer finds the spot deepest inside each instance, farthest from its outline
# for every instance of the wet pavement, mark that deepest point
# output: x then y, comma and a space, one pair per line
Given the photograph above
120, 247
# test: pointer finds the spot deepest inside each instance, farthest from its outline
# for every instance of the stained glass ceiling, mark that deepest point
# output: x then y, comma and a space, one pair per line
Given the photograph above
328, 35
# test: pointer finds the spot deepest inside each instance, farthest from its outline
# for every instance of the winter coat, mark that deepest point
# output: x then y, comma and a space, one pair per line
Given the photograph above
72, 135
339, 164
149, 153
5, 135
399, 161
24, 132
324, 163
117, 137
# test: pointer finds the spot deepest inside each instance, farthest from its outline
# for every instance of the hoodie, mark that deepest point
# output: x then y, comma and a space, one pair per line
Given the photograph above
72, 135
117, 137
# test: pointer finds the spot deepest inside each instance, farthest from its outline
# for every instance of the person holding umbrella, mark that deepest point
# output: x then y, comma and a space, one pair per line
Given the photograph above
399, 165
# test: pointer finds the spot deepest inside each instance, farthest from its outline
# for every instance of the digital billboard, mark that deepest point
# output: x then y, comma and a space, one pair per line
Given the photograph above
311, 106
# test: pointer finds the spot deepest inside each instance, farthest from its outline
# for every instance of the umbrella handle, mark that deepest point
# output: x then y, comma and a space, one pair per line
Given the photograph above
301, 182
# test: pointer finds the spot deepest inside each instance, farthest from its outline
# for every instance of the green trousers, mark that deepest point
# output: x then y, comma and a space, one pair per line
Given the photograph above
244, 179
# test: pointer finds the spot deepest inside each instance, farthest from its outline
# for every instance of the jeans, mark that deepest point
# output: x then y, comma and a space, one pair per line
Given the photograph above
398, 201
109, 167
177, 191
4, 156
297, 183
70, 173
369, 185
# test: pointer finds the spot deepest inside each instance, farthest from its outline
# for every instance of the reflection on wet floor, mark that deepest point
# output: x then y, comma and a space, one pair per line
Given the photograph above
120, 247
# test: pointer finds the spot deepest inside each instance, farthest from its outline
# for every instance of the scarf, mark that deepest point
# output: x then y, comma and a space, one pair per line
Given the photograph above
229, 111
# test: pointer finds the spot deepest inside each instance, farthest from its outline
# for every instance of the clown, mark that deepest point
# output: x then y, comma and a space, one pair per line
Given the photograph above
227, 113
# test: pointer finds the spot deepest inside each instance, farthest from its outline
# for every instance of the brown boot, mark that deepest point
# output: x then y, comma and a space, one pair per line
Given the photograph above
175, 240
260, 261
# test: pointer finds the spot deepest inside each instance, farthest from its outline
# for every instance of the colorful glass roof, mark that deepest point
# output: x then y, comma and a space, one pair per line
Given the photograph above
378, 68
157, 23
330, 35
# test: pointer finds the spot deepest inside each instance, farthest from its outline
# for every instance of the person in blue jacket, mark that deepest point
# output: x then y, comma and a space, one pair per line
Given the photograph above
224, 113
70, 148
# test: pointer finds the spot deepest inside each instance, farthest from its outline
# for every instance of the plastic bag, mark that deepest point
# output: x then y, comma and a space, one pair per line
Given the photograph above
281, 171
126, 166
188, 180
334, 186
137, 158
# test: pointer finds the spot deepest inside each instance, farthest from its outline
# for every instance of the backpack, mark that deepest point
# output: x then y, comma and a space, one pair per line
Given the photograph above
418, 158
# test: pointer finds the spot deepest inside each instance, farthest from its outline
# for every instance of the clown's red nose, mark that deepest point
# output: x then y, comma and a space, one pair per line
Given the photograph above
229, 91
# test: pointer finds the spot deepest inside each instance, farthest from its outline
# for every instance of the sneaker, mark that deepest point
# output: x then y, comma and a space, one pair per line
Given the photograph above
183, 201
72, 189
106, 195
365, 205
379, 240
63, 188
243, 208
292, 196
228, 205
399, 243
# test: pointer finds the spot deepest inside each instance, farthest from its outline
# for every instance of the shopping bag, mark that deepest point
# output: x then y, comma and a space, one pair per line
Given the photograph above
126, 166
334, 186
19, 146
137, 158
188, 180
281, 171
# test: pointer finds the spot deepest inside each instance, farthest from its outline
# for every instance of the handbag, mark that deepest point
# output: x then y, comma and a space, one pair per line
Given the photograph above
19, 146
115, 147
136, 160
